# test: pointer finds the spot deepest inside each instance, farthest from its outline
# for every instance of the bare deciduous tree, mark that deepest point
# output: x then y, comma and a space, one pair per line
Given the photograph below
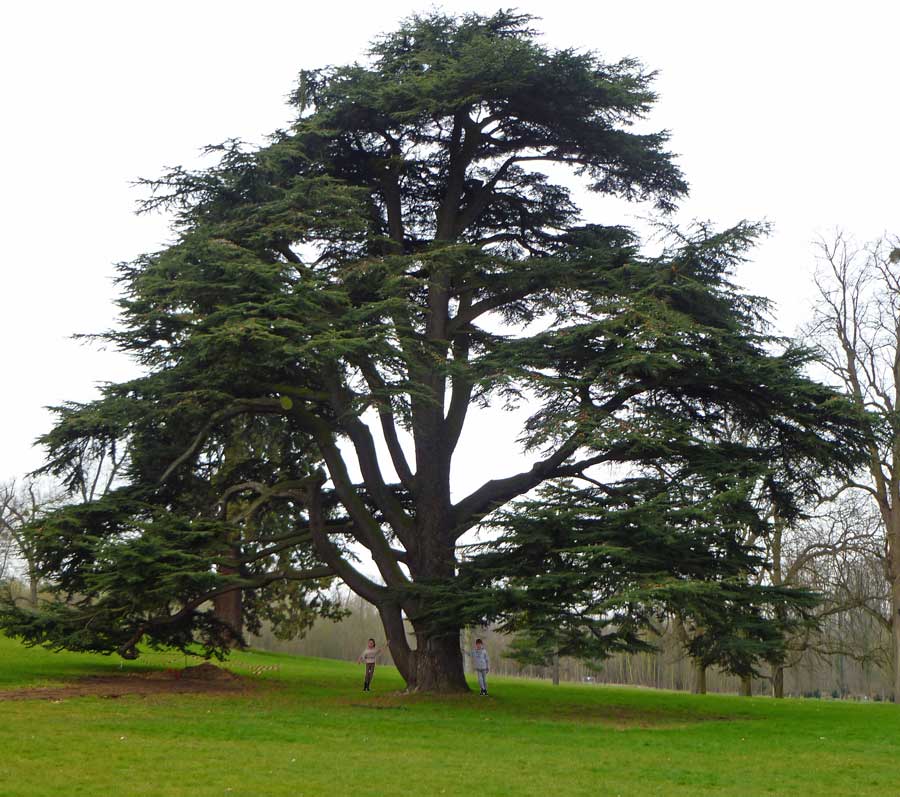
7, 550
856, 328
21, 507
839, 553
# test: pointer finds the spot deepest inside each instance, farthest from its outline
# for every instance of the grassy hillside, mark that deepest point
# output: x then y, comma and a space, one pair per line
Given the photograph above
308, 729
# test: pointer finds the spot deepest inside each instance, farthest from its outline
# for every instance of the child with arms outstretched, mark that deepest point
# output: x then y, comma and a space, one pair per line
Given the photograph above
368, 656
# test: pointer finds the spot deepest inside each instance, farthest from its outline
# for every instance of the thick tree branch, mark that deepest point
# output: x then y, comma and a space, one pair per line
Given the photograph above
328, 551
470, 213
496, 492
464, 142
381, 395
128, 649
390, 184
462, 385
368, 526
238, 408
367, 456
495, 302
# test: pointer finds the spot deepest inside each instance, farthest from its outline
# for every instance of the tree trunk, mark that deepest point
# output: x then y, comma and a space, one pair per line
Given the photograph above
395, 633
700, 682
556, 670
33, 586
746, 686
778, 580
895, 633
229, 609
437, 663
778, 682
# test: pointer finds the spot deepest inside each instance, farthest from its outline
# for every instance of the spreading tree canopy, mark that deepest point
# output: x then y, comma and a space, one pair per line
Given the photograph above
335, 304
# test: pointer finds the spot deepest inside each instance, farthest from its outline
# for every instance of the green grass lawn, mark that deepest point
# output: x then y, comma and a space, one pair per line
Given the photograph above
310, 730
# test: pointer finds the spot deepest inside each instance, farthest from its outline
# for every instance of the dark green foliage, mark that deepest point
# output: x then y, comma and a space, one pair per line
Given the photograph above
587, 572
127, 569
394, 257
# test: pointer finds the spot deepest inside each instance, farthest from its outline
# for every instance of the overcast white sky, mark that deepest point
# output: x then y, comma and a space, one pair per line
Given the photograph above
786, 111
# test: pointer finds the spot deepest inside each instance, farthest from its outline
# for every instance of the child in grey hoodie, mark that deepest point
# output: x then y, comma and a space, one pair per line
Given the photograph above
481, 663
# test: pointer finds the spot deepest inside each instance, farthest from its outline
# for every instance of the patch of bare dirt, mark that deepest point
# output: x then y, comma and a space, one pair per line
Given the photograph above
203, 679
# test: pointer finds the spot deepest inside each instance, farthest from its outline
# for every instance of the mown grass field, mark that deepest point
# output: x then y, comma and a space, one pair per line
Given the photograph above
307, 729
